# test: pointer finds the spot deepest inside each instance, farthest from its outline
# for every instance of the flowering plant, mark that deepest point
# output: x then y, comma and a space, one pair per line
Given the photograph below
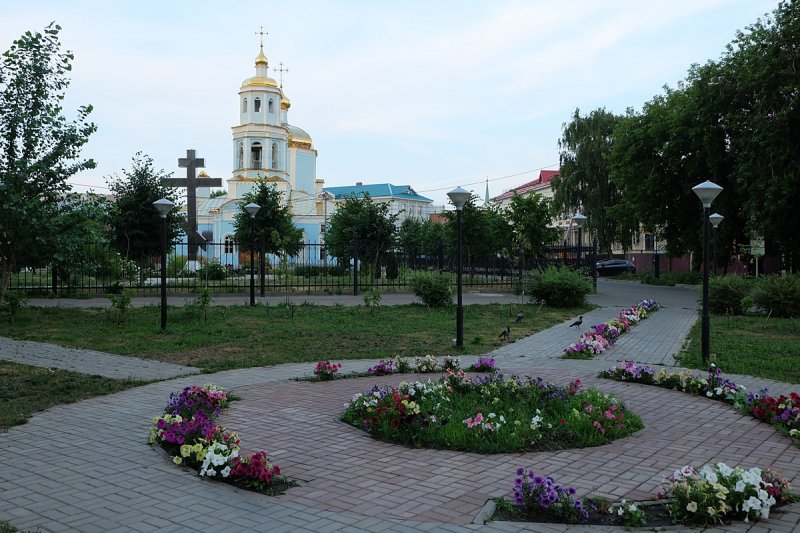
426, 364
325, 370
713, 493
588, 344
451, 362
255, 471
383, 368
540, 496
601, 337
483, 364
208, 398
629, 514
402, 364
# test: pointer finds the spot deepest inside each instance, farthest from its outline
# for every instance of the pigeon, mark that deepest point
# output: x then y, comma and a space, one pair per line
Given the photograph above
520, 316
577, 323
505, 333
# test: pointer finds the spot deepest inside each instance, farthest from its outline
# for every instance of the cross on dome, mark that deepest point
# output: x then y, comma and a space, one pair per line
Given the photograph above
281, 69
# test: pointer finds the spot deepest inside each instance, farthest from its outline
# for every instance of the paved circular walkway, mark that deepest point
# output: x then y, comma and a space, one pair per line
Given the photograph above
86, 467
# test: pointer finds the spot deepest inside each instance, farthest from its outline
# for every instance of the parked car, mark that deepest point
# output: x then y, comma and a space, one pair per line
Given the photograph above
612, 267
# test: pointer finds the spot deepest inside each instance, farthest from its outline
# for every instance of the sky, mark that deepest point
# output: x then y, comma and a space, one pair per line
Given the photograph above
432, 94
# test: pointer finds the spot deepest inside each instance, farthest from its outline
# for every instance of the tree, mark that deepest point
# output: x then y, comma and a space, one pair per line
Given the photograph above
135, 225
39, 148
81, 228
530, 217
583, 182
363, 223
273, 223
421, 237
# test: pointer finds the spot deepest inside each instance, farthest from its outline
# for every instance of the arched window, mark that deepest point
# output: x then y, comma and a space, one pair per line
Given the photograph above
229, 244
244, 105
271, 106
255, 155
274, 155
257, 105
240, 160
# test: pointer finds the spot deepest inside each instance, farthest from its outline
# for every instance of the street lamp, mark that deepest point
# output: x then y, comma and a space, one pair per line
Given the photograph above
579, 219
252, 209
459, 197
706, 191
326, 197
163, 206
715, 220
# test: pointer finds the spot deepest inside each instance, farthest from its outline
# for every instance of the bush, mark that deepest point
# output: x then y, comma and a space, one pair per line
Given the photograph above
392, 270
434, 289
13, 302
212, 270
558, 287
726, 294
779, 295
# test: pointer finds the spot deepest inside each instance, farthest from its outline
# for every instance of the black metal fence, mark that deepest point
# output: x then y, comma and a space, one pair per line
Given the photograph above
223, 268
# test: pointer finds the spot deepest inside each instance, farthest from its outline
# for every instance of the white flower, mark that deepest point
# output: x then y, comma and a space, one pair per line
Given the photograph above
225, 471
724, 469
691, 507
620, 511
740, 486
632, 508
708, 474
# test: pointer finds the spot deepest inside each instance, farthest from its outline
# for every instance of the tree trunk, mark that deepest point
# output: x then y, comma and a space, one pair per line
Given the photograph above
6, 267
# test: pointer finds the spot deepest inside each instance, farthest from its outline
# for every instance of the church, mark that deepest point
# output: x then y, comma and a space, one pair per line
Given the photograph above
265, 146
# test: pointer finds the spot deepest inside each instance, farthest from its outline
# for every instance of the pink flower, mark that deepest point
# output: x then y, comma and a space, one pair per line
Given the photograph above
478, 418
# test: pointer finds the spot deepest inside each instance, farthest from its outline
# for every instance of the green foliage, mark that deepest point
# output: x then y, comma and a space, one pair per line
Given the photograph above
312, 271
392, 268
433, 288
584, 183
670, 279
122, 303
13, 301
372, 298
176, 265
726, 294
530, 218
201, 303
363, 223
134, 223
422, 237
480, 226
39, 149
779, 295
212, 271
273, 222
558, 287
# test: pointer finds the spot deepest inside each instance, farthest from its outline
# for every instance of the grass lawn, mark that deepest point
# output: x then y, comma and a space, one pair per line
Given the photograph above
241, 336
750, 345
24, 390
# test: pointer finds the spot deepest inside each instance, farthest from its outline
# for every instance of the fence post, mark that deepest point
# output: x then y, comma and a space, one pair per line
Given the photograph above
262, 271
54, 279
355, 268
593, 266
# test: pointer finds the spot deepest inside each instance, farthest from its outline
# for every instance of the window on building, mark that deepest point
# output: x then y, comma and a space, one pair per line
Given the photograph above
648, 241
275, 155
271, 106
255, 155
257, 105
229, 244
240, 158
244, 105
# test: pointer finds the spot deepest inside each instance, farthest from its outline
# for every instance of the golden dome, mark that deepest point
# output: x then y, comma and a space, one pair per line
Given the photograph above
260, 81
298, 136
285, 103
261, 59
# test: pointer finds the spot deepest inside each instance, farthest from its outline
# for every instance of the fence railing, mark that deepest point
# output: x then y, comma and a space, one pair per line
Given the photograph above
223, 268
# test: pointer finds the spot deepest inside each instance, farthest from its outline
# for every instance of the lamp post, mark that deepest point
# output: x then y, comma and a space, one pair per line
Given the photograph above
459, 197
163, 206
715, 220
706, 191
326, 196
579, 219
252, 209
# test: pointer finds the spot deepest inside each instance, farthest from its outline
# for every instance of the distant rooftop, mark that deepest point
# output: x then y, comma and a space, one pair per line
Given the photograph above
544, 179
377, 190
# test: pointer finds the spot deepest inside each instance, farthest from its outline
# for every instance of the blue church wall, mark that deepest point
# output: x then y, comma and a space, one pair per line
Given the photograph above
304, 173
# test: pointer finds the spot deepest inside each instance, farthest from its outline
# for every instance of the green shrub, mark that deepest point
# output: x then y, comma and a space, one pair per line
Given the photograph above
726, 294
434, 289
558, 287
122, 303
779, 295
212, 270
13, 302
176, 265
310, 271
392, 270
201, 303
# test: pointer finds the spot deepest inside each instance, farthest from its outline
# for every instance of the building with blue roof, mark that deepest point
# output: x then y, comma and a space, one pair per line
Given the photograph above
403, 200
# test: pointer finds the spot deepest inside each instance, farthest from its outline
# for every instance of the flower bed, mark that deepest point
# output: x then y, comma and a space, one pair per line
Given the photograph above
491, 414
326, 370
711, 495
783, 412
601, 337
187, 432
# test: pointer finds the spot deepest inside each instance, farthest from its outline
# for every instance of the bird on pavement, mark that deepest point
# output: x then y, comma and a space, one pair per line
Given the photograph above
505, 333
520, 316
577, 323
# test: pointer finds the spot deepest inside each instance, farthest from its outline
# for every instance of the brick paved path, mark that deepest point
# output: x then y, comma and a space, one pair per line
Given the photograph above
85, 467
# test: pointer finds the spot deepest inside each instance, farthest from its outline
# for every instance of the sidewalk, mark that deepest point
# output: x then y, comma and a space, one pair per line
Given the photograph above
84, 467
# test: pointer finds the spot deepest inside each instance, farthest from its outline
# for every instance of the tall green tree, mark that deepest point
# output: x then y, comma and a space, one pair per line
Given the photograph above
39, 148
584, 184
273, 226
134, 222
358, 221
530, 217
422, 237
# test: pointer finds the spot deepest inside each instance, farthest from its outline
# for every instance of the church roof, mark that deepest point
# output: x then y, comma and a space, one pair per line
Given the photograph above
298, 135
543, 181
378, 190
